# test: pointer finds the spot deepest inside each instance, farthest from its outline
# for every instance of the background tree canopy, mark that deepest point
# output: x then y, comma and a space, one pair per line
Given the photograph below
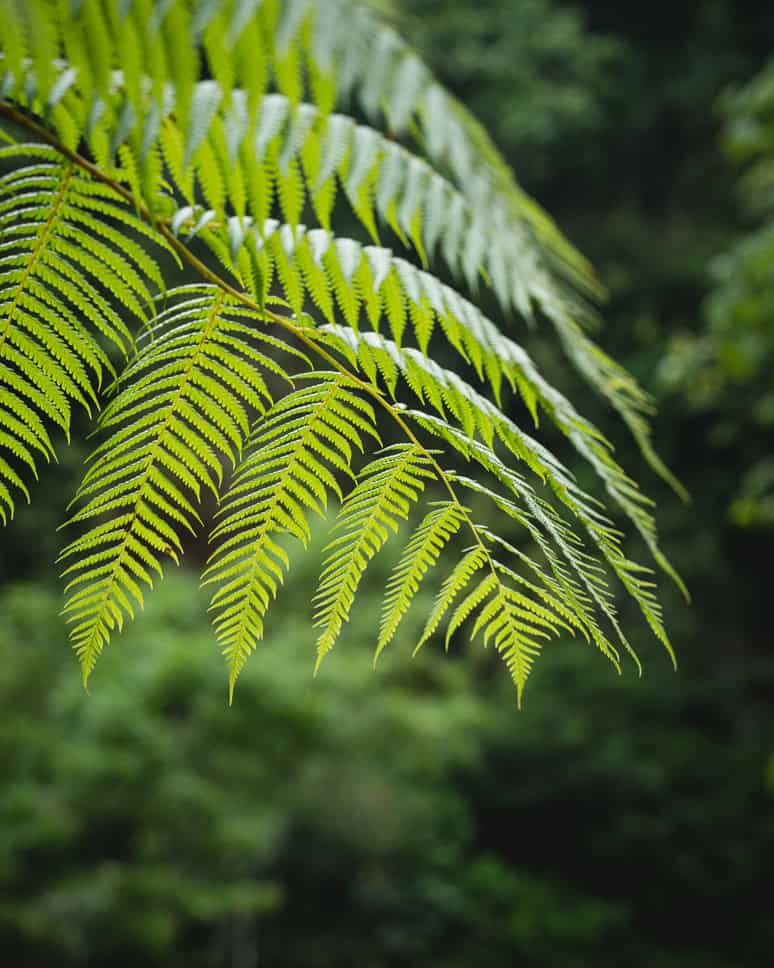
410, 814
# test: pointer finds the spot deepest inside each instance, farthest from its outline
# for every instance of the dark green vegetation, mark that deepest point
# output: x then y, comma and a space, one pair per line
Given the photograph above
387, 818
409, 815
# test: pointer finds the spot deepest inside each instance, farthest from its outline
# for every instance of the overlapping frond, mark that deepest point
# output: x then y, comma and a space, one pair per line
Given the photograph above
293, 46
219, 122
370, 284
225, 127
297, 154
378, 356
475, 416
298, 452
183, 410
60, 255
367, 284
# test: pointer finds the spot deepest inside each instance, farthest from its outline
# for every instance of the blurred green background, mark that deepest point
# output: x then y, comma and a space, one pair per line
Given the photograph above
411, 814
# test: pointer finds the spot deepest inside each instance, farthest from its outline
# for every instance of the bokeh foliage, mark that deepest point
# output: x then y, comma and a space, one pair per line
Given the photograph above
725, 368
365, 817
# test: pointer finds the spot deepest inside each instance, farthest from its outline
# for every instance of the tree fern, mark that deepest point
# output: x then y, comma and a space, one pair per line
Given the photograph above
170, 181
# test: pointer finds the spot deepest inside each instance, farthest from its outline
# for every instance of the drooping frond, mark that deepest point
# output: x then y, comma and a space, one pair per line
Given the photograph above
590, 571
445, 391
511, 610
296, 48
214, 129
296, 154
184, 408
474, 415
386, 489
368, 283
421, 554
298, 451
53, 50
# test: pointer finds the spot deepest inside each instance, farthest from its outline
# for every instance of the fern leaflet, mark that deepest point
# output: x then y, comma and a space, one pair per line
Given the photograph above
297, 453
386, 489
185, 402
421, 554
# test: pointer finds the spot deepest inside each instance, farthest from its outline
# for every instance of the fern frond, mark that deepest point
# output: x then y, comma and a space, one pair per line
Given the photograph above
487, 222
128, 143
475, 415
554, 535
300, 154
183, 410
472, 561
421, 554
369, 281
152, 47
477, 235
502, 356
386, 489
60, 255
298, 451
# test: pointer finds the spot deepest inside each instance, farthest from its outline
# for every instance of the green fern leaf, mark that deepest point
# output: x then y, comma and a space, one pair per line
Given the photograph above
421, 554
218, 122
185, 402
298, 450
386, 489
51, 283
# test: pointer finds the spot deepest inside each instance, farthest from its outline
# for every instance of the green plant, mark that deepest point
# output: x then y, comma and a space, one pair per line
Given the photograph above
726, 365
140, 248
